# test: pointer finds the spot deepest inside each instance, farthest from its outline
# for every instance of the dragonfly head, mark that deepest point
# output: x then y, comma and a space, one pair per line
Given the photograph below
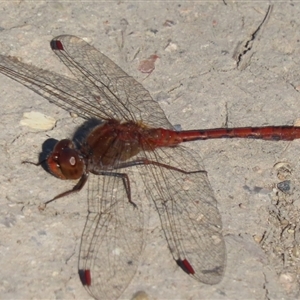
64, 161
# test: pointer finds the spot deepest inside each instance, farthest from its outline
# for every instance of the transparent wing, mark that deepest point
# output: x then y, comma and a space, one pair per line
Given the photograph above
113, 237
120, 94
68, 94
102, 90
112, 240
188, 213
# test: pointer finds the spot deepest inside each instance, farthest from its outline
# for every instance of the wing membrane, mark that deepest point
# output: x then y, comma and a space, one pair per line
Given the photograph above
112, 240
188, 212
101, 90
68, 94
119, 93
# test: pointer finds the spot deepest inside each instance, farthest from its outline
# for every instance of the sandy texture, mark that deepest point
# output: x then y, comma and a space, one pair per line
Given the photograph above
219, 65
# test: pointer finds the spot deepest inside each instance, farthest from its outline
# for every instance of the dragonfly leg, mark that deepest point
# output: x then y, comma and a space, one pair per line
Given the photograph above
126, 183
79, 185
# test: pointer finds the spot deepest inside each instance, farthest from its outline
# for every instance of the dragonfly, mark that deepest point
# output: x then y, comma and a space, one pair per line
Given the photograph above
133, 151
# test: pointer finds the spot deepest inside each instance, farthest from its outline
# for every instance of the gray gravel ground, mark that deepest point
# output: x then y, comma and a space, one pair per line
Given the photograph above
219, 65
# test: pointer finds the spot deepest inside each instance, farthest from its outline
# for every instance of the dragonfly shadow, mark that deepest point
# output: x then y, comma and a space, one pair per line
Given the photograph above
47, 147
83, 131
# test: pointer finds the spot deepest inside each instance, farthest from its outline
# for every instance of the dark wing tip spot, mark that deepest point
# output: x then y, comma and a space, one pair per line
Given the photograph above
85, 277
185, 266
56, 45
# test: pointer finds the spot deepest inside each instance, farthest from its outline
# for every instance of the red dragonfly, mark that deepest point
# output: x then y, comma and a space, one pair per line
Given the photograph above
135, 150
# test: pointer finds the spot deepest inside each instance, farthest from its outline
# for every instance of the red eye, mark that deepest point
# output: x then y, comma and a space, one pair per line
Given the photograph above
64, 161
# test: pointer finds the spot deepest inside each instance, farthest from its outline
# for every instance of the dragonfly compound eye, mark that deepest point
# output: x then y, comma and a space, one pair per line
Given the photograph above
71, 165
64, 161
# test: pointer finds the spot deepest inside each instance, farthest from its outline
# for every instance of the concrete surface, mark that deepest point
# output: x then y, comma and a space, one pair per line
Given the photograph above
218, 66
